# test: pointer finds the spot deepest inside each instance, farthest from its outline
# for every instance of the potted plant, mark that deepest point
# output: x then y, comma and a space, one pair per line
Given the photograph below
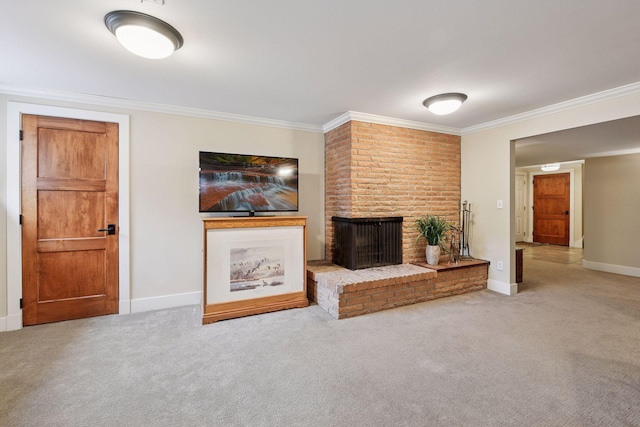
434, 230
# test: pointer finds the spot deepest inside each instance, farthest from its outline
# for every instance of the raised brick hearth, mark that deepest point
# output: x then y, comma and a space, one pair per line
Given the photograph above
344, 293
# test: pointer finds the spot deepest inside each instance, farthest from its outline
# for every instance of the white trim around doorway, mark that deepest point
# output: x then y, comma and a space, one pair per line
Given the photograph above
572, 205
14, 243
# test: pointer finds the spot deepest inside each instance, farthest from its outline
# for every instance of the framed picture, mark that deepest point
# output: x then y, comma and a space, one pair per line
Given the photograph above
253, 265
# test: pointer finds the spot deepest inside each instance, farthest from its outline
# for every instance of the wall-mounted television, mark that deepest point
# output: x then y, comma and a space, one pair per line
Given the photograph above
247, 183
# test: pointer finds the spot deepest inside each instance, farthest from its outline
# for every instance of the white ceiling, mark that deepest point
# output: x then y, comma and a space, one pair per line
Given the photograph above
616, 137
308, 61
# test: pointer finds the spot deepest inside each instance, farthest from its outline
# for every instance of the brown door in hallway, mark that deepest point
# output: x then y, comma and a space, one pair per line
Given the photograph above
551, 208
69, 200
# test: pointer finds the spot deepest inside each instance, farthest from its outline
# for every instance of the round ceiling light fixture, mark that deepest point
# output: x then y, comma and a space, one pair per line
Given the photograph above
550, 167
445, 103
143, 34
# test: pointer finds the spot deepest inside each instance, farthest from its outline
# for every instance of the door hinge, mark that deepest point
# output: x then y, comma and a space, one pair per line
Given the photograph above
21, 135
20, 302
20, 219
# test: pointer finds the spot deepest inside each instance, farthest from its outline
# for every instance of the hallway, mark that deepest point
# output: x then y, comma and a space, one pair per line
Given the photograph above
545, 265
551, 253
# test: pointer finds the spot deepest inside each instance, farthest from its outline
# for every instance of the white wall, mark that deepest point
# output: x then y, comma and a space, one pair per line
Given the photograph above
486, 178
488, 170
166, 230
612, 210
165, 226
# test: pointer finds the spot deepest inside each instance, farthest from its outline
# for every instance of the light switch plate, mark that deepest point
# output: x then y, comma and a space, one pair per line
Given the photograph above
500, 204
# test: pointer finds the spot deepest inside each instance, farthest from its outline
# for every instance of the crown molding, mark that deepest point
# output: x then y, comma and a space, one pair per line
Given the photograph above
389, 121
149, 106
106, 101
556, 108
338, 121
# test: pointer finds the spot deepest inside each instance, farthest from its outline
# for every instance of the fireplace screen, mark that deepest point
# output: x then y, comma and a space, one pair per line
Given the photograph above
367, 242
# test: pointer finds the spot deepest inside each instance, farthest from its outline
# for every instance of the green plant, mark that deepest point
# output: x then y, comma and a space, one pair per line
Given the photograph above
433, 228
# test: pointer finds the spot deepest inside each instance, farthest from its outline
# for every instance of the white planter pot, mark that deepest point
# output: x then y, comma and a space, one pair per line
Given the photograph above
433, 255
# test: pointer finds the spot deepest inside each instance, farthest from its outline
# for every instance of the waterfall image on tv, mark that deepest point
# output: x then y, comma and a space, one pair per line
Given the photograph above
246, 183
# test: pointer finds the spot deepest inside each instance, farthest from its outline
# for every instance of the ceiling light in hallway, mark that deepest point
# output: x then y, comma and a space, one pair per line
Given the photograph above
550, 167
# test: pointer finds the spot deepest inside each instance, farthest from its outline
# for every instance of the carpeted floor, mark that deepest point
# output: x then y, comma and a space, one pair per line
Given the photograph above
563, 352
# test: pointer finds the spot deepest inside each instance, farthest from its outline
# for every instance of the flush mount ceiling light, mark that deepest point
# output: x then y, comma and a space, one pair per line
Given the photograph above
143, 34
550, 167
445, 103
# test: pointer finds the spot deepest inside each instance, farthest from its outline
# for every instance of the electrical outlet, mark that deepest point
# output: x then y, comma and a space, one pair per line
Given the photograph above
499, 266
500, 204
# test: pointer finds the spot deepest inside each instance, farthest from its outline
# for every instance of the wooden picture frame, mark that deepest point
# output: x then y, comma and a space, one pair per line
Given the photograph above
253, 265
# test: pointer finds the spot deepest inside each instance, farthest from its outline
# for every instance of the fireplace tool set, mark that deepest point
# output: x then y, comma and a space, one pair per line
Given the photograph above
460, 249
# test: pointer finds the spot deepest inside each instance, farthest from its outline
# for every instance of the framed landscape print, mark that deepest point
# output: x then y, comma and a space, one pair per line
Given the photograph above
253, 265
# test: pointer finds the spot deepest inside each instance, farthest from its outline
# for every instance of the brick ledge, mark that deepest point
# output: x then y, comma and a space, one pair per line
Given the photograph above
346, 280
345, 293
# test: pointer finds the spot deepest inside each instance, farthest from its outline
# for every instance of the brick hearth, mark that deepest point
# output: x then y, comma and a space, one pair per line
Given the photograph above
344, 293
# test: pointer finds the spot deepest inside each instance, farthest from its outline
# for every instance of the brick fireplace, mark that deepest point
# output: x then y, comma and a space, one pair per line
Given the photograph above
374, 170
386, 171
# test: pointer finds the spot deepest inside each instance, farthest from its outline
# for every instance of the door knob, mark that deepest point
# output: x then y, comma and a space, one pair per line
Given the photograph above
111, 229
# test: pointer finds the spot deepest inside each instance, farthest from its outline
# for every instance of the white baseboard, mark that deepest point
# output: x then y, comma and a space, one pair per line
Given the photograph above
3, 324
124, 307
501, 287
165, 301
611, 268
14, 322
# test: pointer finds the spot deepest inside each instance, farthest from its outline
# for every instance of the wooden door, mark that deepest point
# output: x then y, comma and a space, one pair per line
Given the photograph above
69, 194
551, 208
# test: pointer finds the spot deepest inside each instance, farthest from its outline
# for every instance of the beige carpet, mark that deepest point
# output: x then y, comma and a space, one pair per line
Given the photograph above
563, 352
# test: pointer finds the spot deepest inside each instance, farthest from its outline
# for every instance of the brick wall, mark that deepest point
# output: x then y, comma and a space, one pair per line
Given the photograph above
379, 170
337, 177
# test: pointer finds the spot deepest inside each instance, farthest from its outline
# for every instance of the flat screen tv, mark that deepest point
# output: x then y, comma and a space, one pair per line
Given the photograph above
245, 183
